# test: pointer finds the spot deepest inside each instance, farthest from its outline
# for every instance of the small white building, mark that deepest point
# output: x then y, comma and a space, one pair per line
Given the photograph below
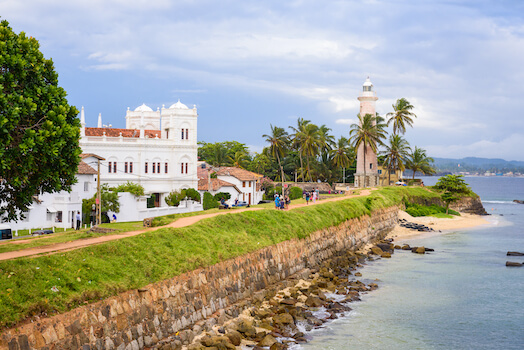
157, 149
58, 209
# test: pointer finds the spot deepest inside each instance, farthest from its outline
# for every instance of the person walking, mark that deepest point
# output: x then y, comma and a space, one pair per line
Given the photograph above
78, 220
307, 198
277, 202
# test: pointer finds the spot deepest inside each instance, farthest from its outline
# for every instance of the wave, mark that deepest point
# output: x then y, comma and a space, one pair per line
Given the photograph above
500, 202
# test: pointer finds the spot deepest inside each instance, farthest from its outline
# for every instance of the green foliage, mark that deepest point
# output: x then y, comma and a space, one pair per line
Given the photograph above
223, 153
295, 193
135, 189
416, 210
173, 199
193, 194
453, 184
39, 131
209, 201
109, 203
221, 195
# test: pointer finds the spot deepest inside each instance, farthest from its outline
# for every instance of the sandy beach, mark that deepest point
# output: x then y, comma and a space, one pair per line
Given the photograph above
438, 224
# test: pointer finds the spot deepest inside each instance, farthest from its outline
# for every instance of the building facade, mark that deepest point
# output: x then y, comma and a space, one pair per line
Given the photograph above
157, 149
367, 169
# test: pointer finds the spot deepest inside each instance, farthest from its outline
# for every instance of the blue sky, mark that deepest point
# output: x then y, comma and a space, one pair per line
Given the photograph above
248, 64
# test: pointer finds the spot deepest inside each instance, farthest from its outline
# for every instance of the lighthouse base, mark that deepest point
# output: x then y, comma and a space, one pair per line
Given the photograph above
369, 180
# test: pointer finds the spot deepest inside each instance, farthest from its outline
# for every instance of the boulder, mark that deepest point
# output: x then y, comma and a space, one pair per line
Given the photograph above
385, 255
514, 254
267, 341
277, 346
376, 250
234, 337
512, 263
418, 250
313, 301
284, 318
406, 247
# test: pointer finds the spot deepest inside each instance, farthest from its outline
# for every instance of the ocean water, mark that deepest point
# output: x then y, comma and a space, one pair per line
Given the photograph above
462, 296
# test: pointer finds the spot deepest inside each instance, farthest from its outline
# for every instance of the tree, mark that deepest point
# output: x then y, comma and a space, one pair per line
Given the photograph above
342, 155
278, 141
109, 201
296, 140
368, 134
453, 186
209, 202
175, 197
310, 144
401, 116
239, 160
418, 161
39, 131
396, 154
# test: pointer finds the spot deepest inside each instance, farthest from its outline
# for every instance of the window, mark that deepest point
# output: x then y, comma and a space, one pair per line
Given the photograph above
114, 167
86, 186
371, 165
243, 184
182, 134
186, 168
125, 167
158, 167
380, 171
249, 184
131, 167
109, 167
181, 168
145, 169
165, 169
153, 168
187, 134
167, 133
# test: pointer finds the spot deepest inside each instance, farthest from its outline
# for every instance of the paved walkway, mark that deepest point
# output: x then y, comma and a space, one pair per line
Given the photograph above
183, 222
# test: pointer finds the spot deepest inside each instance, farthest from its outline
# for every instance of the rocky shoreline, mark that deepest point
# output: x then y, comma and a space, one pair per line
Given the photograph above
279, 316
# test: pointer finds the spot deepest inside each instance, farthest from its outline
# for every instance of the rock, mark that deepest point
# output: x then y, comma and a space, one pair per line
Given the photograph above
518, 201
376, 250
284, 318
267, 341
234, 337
512, 263
313, 301
277, 346
385, 255
418, 250
515, 254
406, 247
385, 246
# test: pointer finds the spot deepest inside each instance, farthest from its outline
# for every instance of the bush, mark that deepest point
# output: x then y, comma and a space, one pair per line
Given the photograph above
193, 194
295, 193
173, 199
270, 193
209, 201
221, 195
131, 187
421, 210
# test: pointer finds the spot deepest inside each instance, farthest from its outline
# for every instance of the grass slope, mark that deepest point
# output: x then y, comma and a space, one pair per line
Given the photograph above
56, 283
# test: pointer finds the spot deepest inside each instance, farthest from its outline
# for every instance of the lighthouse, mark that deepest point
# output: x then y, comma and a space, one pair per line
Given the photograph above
367, 172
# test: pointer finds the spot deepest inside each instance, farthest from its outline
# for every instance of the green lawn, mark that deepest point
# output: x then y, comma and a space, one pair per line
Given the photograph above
59, 282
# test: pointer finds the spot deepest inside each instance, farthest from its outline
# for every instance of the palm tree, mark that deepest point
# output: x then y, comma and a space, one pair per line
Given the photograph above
366, 133
342, 155
310, 144
239, 159
297, 140
278, 141
396, 154
401, 116
418, 161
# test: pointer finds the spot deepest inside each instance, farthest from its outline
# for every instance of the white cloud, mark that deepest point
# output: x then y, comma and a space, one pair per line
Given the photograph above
346, 121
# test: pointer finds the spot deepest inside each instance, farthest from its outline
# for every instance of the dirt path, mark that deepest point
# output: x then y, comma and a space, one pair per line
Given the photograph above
183, 222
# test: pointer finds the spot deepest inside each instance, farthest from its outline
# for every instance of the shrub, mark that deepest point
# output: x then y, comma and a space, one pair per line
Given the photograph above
295, 193
221, 195
193, 194
421, 210
173, 199
131, 187
209, 201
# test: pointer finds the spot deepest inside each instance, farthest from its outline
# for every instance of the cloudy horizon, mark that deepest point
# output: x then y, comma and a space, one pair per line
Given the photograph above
246, 64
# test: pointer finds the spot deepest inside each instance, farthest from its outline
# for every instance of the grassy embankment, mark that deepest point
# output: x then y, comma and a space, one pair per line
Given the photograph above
59, 282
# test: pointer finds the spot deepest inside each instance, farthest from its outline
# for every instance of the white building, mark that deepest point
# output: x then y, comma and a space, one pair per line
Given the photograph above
157, 149
58, 209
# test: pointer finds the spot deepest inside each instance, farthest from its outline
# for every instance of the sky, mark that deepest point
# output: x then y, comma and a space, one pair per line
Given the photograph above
247, 65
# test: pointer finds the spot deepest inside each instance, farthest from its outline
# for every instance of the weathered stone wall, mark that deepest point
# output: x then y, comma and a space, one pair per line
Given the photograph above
139, 318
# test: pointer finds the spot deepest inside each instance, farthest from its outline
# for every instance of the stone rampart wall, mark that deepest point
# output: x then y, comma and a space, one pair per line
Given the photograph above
140, 318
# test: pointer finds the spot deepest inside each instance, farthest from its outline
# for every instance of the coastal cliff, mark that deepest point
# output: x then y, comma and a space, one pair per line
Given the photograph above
470, 205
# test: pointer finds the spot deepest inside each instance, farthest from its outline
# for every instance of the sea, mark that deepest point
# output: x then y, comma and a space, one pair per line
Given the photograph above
462, 296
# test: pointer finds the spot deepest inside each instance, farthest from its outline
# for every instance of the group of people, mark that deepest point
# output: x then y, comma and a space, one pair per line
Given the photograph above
313, 195
281, 201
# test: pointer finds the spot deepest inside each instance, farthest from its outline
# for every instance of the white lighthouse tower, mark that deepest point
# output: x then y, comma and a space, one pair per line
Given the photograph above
369, 177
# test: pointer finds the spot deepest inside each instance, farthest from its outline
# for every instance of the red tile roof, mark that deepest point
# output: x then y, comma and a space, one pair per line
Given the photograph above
85, 169
241, 174
216, 184
113, 132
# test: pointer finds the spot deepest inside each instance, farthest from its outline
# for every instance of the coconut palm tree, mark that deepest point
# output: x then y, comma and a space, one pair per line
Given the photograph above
296, 143
310, 145
418, 161
366, 133
239, 159
342, 154
396, 154
278, 140
401, 116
